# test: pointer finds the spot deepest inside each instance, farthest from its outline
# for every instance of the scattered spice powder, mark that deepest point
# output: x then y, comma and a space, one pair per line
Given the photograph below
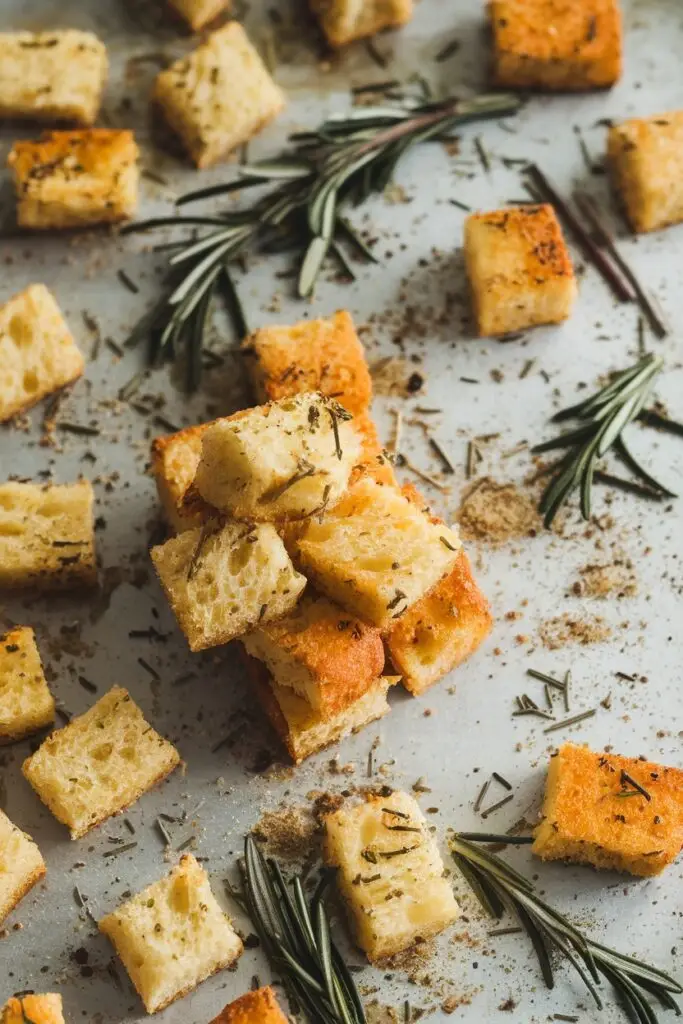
395, 377
288, 834
569, 629
616, 578
497, 513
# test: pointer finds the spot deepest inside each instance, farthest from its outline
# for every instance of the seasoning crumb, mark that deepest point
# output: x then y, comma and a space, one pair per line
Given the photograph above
566, 629
497, 513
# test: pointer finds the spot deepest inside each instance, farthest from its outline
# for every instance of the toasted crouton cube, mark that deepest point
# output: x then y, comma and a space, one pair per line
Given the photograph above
323, 355
285, 460
47, 535
394, 899
100, 763
556, 45
645, 159
198, 13
38, 355
343, 21
175, 458
75, 179
519, 269
320, 654
26, 703
587, 820
52, 76
222, 580
21, 865
375, 553
256, 1007
172, 935
219, 96
36, 1009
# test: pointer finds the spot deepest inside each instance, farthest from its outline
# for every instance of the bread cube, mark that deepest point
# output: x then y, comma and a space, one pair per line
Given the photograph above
75, 179
33, 1009
26, 703
590, 818
21, 865
390, 874
645, 160
556, 45
281, 461
172, 935
47, 536
219, 96
100, 763
175, 458
323, 355
343, 21
52, 76
198, 13
38, 354
257, 1007
375, 553
222, 580
519, 269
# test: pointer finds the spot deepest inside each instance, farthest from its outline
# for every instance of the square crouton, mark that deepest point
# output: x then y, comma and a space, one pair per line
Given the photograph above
556, 44
175, 458
21, 865
219, 96
47, 535
34, 1009
320, 654
198, 13
38, 354
376, 553
222, 580
26, 703
257, 1007
343, 21
323, 355
52, 76
100, 763
172, 935
391, 875
519, 269
75, 179
645, 159
587, 818
285, 460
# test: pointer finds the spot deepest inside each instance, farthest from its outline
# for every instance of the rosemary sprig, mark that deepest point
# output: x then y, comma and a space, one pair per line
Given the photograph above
603, 417
295, 935
500, 888
343, 161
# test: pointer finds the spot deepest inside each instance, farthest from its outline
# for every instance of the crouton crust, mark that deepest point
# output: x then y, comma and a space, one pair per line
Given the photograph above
198, 13
26, 704
175, 458
645, 160
257, 1007
38, 1009
373, 461
344, 21
21, 865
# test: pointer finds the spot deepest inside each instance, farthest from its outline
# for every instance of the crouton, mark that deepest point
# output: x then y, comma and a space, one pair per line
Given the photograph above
26, 703
257, 1007
52, 76
645, 160
75, 179
172, 935
38, 354
100, 763
323, 355
33, 1009
219, 96
285, 460
222, 580
21, 865
373, 460
375, 553
519, 269
47, 535
556, 44
198, 13
343, 21
587, 820
175, 458
391, 878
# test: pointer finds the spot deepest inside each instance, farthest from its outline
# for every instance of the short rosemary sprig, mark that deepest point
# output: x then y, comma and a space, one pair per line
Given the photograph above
603, 417
500, 888
295, 936
342, 162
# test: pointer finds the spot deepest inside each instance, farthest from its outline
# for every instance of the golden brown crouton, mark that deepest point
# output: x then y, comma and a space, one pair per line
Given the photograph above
21, 865
257, 1007
519, 269
26, 703
198, 13
75, 179
374, 460
33, 1009
175, 458
219, 96
315, 355
614, 812
556, 44
645, 159
343, 21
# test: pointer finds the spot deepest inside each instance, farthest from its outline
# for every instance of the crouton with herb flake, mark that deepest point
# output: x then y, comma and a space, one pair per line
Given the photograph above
257, 1007
198, 13
344, 21
33, 1009
21, 865
614, 812
645, 160
175, 458
26, 704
